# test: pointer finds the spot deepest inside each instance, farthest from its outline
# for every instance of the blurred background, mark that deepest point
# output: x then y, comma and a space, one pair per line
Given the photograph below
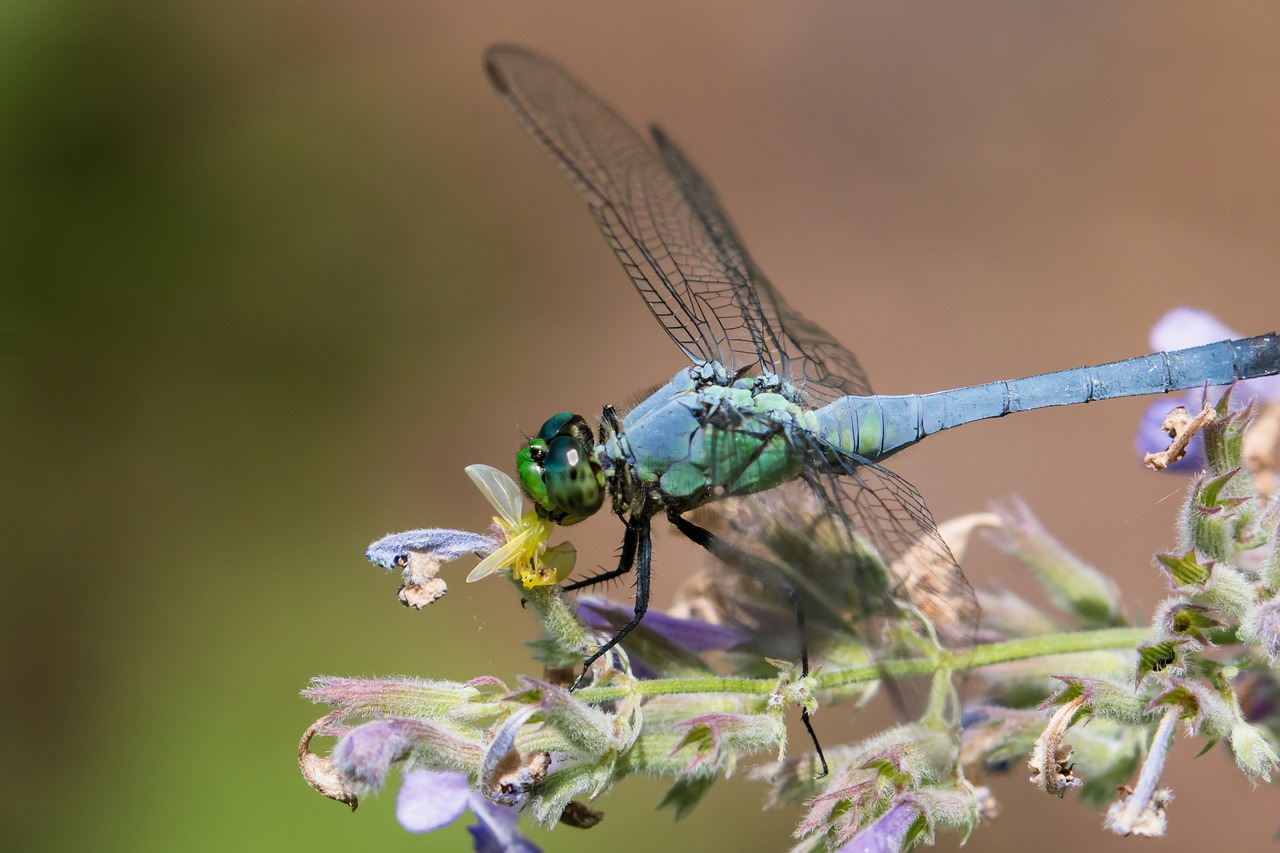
272, 273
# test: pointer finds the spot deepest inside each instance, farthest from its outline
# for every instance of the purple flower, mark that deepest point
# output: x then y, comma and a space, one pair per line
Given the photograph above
428, 801
392, 551
691, 636
1178, 329
365, 753
886, 833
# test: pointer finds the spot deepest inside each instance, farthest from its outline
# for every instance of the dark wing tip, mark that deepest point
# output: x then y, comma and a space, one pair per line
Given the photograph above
493, 60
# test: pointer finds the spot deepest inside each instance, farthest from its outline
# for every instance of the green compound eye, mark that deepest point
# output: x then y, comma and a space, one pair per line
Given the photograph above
529, 467
554, 424
558, 472
569, 478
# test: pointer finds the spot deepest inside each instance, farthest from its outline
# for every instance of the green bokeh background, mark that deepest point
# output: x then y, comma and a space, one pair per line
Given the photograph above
272, 273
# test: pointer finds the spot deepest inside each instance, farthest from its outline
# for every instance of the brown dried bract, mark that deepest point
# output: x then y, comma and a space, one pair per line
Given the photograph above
319, 771
1151, 821
421, 586
580, 816
1180, 426
1050, 763
515, 776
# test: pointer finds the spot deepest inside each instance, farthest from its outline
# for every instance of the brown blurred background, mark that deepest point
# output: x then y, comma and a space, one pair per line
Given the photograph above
272, 273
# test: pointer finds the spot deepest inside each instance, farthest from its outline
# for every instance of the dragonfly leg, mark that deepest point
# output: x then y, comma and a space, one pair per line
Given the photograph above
642, 550
804, 671
609, 422
712, 543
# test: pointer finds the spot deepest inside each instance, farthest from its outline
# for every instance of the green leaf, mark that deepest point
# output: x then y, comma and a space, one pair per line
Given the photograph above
685, 794
1159, 656
1186, 570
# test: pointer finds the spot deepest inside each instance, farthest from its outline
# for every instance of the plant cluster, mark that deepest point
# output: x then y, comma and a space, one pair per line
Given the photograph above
1074, 691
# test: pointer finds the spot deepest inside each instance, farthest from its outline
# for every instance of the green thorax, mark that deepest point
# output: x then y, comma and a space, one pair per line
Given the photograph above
693, 441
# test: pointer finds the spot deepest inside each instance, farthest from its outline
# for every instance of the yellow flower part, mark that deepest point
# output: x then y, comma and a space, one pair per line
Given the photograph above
525, 552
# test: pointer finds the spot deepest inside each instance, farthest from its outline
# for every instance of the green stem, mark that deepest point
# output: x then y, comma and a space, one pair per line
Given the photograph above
979, 656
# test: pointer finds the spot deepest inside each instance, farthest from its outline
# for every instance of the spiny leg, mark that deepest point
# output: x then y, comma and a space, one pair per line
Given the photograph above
642, 550
609, 422
804, 672
712, 543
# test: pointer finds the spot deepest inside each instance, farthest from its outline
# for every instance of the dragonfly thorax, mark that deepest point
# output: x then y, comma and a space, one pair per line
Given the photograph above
559, 472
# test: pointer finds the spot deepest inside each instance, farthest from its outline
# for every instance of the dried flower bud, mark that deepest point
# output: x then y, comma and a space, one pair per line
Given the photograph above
320, 772
1141, 811
1150, 820
506, 776
1180, 427
1050, 762
580, 816
421, 553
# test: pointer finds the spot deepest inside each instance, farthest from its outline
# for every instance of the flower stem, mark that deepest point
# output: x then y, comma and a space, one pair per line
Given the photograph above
1141, 812
979, 656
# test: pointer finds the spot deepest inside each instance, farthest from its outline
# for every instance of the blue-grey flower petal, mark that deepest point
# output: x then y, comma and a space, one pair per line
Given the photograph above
429, 800
391, 550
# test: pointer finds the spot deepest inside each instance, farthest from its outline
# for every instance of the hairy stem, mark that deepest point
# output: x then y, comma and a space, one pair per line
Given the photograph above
975, 658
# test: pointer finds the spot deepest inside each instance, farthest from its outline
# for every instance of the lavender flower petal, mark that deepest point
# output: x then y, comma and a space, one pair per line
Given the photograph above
392, 550
886, 834
365, 753
428, 801
692, 635
1188, 327
496, 832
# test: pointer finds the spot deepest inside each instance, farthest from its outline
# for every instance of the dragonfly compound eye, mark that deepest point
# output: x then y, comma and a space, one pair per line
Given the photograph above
529, 462
572, 482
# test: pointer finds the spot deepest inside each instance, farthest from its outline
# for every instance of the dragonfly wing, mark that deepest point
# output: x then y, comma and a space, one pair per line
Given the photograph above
664, 223
630, 194
892, 517
847, 533
782, 339
856, 558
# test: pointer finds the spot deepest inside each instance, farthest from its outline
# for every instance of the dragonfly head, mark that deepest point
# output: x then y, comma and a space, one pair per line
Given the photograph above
559, 472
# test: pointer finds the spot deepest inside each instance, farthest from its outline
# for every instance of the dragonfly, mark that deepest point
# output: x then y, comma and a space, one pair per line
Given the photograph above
770, 404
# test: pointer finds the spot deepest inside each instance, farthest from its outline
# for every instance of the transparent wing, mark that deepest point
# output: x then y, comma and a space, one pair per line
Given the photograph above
852, 532
788, 343
666, 226
853, 542
892, 516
